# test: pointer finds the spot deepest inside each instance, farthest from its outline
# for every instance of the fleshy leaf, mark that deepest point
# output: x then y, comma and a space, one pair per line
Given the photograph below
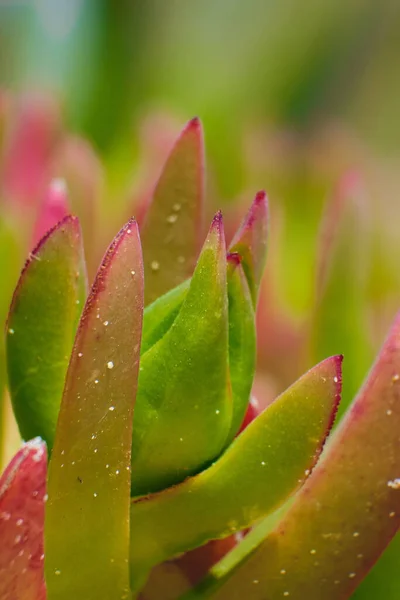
22, 498
184, 408
172, 225
242, 341
159, 315
250, 242
87, 516
53, 209
347, 512
41, 327
260, 469
340, 322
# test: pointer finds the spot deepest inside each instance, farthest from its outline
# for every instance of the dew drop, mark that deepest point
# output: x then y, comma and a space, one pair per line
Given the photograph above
80, 354
313, 551
11, 331
356, 534
133, 273
112, 408
155, 265
395, 378
95, 495
392, 514
335, 379
263, 463
352, 575
57, 572
394, 484
176, 207
110, 364
96, 381
19, 522
172, 219
283, 571
217, 412
105, 323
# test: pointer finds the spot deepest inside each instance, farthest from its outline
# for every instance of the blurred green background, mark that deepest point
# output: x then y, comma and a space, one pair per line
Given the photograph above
292, 64
292, 96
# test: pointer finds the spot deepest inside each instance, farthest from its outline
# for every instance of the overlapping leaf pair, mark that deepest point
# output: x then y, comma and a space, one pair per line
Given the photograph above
140, 407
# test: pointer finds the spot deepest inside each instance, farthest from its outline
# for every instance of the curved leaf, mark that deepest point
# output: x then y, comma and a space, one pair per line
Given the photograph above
172, 225
22, 498
261, 468
184, 409
347, 512
87, 516
41, 327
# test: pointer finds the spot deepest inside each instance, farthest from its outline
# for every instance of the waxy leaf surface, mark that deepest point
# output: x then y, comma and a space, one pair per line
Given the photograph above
41, 328
260, 469
346, 513
87, 517
184, 407
250, 242
242, 341
172, 225
22, 498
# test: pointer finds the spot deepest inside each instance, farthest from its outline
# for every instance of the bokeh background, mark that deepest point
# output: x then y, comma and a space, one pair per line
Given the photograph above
298, 98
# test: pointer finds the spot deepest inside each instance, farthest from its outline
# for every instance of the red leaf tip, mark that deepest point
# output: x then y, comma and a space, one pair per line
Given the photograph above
217, 223
234, 258
193, 125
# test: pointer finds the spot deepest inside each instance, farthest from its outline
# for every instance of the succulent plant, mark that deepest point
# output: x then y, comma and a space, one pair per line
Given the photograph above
164, 478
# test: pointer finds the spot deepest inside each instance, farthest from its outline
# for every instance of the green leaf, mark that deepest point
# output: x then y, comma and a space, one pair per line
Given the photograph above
41, 327
261, 468
22, 498
250, 242
87, 516
347, 512
184, 408
159, 315
242, 341
340, 320
172, 226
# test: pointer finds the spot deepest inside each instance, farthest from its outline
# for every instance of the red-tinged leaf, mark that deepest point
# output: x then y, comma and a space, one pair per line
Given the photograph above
348, 511
253, 410
22, 498
54, 209
172, 226
264, 465
41, 327
87, 516
340, 320
250, 242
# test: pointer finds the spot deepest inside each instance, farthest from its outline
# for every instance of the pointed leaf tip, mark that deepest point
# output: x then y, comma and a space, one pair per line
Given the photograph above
89, 492
250, 241
172, 225
39, 343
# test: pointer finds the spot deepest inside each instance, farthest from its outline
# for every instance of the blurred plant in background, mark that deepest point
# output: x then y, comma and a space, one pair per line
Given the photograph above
308, 112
